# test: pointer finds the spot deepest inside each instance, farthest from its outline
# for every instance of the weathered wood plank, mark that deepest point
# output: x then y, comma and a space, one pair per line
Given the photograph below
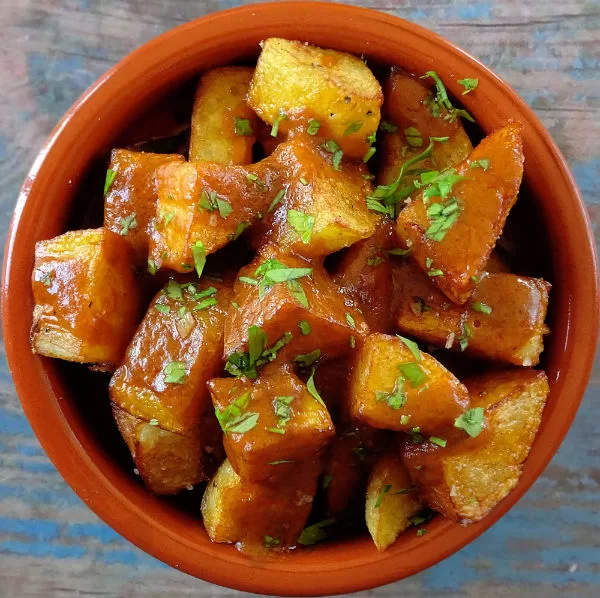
53, 545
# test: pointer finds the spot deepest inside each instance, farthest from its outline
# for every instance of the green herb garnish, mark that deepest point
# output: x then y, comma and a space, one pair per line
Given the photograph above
312, 389
280, 195
441, 100
315, 533
388, 127
308, 359
439, 441
333, 148
304, 327
353, 128
442, 217
384, 490
234, 418
482, 163
313, 126
243, 127
276, 123
469, 84
414, 373
175, 372
199, 255
163, 309
471, 421
481, 308
302, 223
109, 180
412, 346
413, 137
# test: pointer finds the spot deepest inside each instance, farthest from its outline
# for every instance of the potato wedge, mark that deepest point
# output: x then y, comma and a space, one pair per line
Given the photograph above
167, 462
204, 203
303, 83
470, 475
176, 349
503, 321
452, 237
391, 500
260, 516
397, 387
130, 202
409, 124
365, 275
87, 302
223, 126
324, 208
271, 424
312, 309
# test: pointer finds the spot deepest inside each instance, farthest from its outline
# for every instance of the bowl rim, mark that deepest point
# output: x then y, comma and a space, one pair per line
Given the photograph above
277, 578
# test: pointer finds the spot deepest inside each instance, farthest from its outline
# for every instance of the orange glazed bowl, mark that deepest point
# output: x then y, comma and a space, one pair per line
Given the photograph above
65, 404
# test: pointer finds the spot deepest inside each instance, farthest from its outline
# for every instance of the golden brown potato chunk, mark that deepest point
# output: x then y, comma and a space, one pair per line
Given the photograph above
474, 471
391, 500
396, 386
176, 349
324, 209
365, 274
409, 124
223, 126
167, 462
201, 207
271, 424
292, 299
503, 321
130, 201
260, 516
87, 303
453, 224
296, 84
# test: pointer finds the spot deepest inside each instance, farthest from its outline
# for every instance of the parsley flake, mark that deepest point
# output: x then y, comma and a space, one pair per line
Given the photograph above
315, 533
412, 346
375, 261
414, 373
276, 123
439, 441
442, 217
481, 308
441, 101
370, 153
471, 421
482, 163
199, 255
152, 267
243, 127
304, 327
276, 200
127, 223
313, 126
308, 359
302, 223
469, 84
353, 128
234, 418
163, 309
312, 389
175, 372
270, 542
109, 180
413, 137
388, 127
384, 490
333, 148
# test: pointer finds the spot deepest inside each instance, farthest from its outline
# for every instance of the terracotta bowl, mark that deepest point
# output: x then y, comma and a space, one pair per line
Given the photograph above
59, 401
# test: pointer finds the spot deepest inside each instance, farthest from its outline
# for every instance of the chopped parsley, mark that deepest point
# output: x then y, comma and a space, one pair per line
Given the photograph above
469, 84
166, 218
163, 309
211, 202
153, 422
199, 255
152, 267
205, 304
280, 195
353, 128
175, 372
173, 290
240, 228
315, 533
413, 137
254, 178
397, 398
384, 490
243, 127
350, 320
234, 418
352, 342
385, 197
276, 123
46, 279
439, 441
246, 364
481, 308
414, 373
312, 389
404, 419
313, 126
375, 261
412, 346
482, 163
388, 127
442, 217
303, 181
109, 180
272, 272
333, 148
283, 412
302, 223
440, 100
398, 251
471, 421
438, 184
270, 542
304, 327
463, 339
370, 153
308, 359
421, 532
127, 223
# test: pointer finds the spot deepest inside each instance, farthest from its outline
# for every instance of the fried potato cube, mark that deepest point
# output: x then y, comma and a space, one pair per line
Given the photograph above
410, 124
503, 321
324, 209
347, 467
452, 237
130, 202
87, 303
309, 307
391, 500
167, 462
270, 424
397, 387
470, 475
223, 126
259, 515
365, 275
206, 203
176, 349
303, 83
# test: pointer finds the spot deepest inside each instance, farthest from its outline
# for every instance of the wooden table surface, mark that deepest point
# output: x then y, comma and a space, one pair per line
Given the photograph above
51, 544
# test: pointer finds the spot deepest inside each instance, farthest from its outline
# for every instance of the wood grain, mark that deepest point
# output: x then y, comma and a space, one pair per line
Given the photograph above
52, 545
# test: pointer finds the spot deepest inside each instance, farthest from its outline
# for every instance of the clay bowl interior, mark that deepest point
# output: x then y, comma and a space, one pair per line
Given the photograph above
67, 405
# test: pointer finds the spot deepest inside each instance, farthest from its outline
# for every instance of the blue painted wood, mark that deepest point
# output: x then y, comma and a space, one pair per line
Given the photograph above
51, 544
